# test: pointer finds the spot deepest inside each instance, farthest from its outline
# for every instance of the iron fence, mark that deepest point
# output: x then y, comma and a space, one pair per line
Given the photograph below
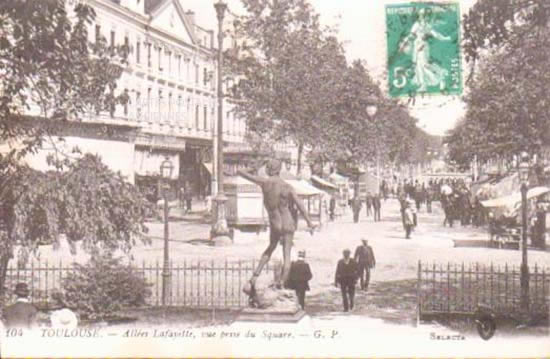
193, 283
461, 288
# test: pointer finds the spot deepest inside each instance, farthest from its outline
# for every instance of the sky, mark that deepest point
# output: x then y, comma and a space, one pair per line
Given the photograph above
361, 25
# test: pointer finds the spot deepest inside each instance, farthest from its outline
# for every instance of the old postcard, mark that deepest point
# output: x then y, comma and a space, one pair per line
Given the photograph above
278, 178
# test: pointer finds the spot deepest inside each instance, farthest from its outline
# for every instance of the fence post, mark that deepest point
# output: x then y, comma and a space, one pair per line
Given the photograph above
32, 281
225, 290
433, 287
448, 286
199, 283
418, 294
212, 277
536, 275
46, 287
506, 285
491, 299
184, 282
463, 287
240, 284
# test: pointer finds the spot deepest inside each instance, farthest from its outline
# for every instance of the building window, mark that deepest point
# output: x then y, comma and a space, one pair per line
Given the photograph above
112, 39
138, 105
179, 109
169, 57
228, 121
170, 114
205, 117
159, 105
160, 58
178, 59
138, 52
149, 59
126, 103
149, 90
197, 74
127, 43
97, 33
205, 76
197, 117
188, 113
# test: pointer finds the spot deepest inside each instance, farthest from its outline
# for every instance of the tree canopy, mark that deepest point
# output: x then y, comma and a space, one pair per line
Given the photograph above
51, 73
296, 85
507, 104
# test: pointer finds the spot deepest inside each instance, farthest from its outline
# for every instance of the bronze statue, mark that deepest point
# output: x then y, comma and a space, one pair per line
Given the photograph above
279, 198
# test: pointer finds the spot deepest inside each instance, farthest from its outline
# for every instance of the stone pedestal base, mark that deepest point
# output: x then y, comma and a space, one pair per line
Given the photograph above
271, 315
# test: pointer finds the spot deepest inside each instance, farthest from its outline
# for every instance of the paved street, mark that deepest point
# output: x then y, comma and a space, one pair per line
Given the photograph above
392, 292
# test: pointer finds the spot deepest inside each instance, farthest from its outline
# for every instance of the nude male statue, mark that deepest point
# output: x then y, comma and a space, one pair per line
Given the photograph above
279, 196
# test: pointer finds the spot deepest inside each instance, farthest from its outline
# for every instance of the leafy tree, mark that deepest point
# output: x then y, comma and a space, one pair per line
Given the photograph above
289, 67
50, 74
86, 201
507, 105
103, 287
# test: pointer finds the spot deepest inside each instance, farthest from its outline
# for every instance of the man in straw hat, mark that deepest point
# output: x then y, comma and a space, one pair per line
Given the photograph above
21, 314
298, 278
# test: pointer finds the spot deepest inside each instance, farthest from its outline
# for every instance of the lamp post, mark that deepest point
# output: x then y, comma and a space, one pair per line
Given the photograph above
166, 168
219, 228
524, 280
372, 109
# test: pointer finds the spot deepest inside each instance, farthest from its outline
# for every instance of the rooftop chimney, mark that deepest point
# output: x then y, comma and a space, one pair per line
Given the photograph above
191, 15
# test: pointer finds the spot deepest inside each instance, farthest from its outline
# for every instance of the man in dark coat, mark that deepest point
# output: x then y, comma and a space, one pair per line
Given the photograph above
377, 206
369, 203
346, 277
298, 278
356, 205
364, 257
21, 314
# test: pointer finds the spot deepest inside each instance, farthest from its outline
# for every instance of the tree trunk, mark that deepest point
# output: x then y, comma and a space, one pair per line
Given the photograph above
299, 161
4, 260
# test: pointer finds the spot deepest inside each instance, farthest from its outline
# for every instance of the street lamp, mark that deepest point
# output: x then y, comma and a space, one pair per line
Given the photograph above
166, 168
219, 227
372, 109
524, 280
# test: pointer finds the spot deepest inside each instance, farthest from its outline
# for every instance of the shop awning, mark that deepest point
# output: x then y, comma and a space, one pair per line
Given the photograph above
303, 188
209, 167
511, 201
323, 182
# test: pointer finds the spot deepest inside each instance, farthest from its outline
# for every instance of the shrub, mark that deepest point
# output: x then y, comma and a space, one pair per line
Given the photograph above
104, 286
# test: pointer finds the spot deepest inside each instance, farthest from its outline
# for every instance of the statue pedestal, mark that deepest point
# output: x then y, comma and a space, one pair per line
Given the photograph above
271, 305
272, 315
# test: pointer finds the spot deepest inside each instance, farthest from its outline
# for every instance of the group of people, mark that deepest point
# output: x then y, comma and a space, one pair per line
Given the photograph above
348, 271
373, 206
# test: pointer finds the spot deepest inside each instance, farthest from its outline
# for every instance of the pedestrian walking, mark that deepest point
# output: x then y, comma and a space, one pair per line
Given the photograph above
356, 205
364, 257
369, 203
346, 277
429, 199
299, 277
377, 206
408, 219
332, 207
188, 196
21, 314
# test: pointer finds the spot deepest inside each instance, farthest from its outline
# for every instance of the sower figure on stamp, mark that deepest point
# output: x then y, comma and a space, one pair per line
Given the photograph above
279, 197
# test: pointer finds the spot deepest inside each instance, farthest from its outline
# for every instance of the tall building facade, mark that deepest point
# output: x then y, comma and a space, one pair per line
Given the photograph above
170, 80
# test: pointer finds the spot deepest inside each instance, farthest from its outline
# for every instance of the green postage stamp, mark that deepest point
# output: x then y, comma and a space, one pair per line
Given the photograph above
423, 42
